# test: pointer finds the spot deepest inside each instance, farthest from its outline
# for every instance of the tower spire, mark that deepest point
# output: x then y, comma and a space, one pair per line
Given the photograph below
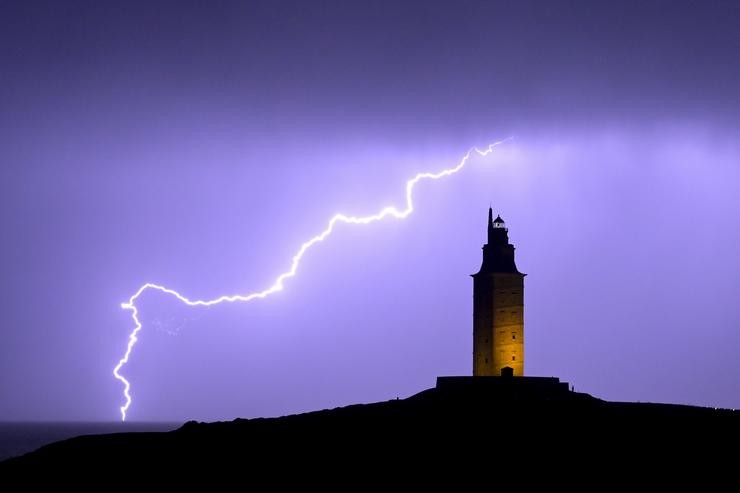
490, 224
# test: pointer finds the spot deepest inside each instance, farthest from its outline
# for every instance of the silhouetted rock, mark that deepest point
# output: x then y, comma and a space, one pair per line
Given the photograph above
461, 426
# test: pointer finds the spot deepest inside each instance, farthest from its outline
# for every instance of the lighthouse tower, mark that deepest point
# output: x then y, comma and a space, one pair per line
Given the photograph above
498, 307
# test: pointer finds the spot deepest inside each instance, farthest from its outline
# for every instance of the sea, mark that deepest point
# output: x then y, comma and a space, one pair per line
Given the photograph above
18, 438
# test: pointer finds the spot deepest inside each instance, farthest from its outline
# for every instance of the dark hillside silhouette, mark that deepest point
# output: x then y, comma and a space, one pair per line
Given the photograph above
451, 429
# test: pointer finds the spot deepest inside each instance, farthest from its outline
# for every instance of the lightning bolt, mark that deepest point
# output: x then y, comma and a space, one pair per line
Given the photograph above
279, 283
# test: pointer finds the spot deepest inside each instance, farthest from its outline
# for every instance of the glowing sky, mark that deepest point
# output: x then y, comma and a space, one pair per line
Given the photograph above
197, 146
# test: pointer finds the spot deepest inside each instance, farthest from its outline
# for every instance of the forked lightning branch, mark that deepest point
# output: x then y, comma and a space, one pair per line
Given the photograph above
278, 285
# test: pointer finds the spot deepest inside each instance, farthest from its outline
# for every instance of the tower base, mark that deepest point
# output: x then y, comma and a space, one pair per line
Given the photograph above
519, 388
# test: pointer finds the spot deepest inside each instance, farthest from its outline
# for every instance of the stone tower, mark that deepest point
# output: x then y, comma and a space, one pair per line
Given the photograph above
498, 306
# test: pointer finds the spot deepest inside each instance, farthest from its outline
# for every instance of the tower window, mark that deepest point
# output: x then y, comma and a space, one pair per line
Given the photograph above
513, 336
513, 358
486, 360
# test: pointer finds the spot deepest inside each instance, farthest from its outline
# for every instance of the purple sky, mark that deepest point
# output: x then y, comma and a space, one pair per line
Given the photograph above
198, 145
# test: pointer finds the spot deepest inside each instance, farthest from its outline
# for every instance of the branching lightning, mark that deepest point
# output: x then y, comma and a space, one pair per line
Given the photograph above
278, 285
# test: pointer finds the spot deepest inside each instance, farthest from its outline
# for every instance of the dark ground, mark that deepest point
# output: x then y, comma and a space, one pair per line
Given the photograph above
473, 434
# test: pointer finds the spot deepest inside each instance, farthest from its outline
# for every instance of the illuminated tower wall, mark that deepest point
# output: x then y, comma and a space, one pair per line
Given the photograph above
498, 306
